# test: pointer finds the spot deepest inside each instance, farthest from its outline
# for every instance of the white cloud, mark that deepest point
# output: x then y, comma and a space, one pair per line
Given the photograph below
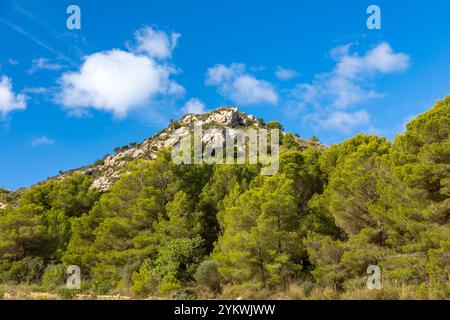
43, 64
155, 43
9, 100
347, 85
235, 84
194, 106
117, 81
36, 90
384, 60
13, 62
285, 74
42, 141
345, 122
38, 42
381, 59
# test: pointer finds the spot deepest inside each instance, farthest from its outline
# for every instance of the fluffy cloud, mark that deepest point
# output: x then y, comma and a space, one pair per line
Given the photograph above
42, 141
43, 64
155, 43
381, 59
345, 122
285, 74
194, 106
350, 83
242, 88
9, 100
117, 81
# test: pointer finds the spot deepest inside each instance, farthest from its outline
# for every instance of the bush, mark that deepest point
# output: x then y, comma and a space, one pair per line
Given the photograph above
144, 281
293, 292
106, 278
275, 125
98, 163
53, 277
169, 284
179, 258
67, 294
246, 291
207, 275
28, 270
2, 293
185, 294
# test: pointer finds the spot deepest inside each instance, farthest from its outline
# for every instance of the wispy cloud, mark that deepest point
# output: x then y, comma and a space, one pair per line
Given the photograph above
36, 90
13, 62
346, 86
43, 64
38, 42
285, 74
42, 141
345, 122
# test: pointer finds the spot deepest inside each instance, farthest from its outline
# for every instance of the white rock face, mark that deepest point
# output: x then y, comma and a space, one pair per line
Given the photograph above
213, 123
113, 165
2, 205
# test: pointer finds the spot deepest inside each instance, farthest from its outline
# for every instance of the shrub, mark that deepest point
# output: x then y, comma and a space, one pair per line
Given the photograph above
169, 284
275, 125
67, 294
144, 281
28, 270
295, 292
106, 278
53, 277
207, 275
246, 291
98, 163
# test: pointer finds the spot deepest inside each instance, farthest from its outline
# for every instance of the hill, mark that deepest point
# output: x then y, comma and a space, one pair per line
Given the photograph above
107, 170
366, 218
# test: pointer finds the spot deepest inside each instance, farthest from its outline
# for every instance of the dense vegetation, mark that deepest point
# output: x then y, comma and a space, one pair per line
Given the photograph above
309, 231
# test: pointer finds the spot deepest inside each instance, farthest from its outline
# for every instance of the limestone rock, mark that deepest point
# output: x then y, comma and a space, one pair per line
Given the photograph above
107, 172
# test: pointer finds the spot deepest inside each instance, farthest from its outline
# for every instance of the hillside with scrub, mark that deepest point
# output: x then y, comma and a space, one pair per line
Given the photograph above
159, 230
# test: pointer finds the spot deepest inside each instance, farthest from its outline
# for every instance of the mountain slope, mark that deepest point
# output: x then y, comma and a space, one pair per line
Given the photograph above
105, 172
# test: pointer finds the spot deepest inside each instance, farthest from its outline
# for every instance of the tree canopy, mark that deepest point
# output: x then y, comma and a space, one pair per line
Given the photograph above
174, 230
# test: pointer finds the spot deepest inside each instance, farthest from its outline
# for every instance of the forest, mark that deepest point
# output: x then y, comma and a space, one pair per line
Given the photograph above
225, 232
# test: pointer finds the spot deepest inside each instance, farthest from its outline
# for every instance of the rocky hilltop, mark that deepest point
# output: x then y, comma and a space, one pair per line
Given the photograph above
105, 172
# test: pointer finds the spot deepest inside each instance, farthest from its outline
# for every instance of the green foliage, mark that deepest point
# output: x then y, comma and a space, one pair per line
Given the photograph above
53, 277
67, 294
40, 225
392, 204
175, 264
29, 270
145, 281
260, 234
207, 275
310, 230
274, 125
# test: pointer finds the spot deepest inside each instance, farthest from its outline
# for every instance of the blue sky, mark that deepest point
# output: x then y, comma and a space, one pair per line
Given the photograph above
313, 65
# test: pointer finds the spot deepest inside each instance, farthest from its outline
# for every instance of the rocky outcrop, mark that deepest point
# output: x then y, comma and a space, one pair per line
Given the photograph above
108, 171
